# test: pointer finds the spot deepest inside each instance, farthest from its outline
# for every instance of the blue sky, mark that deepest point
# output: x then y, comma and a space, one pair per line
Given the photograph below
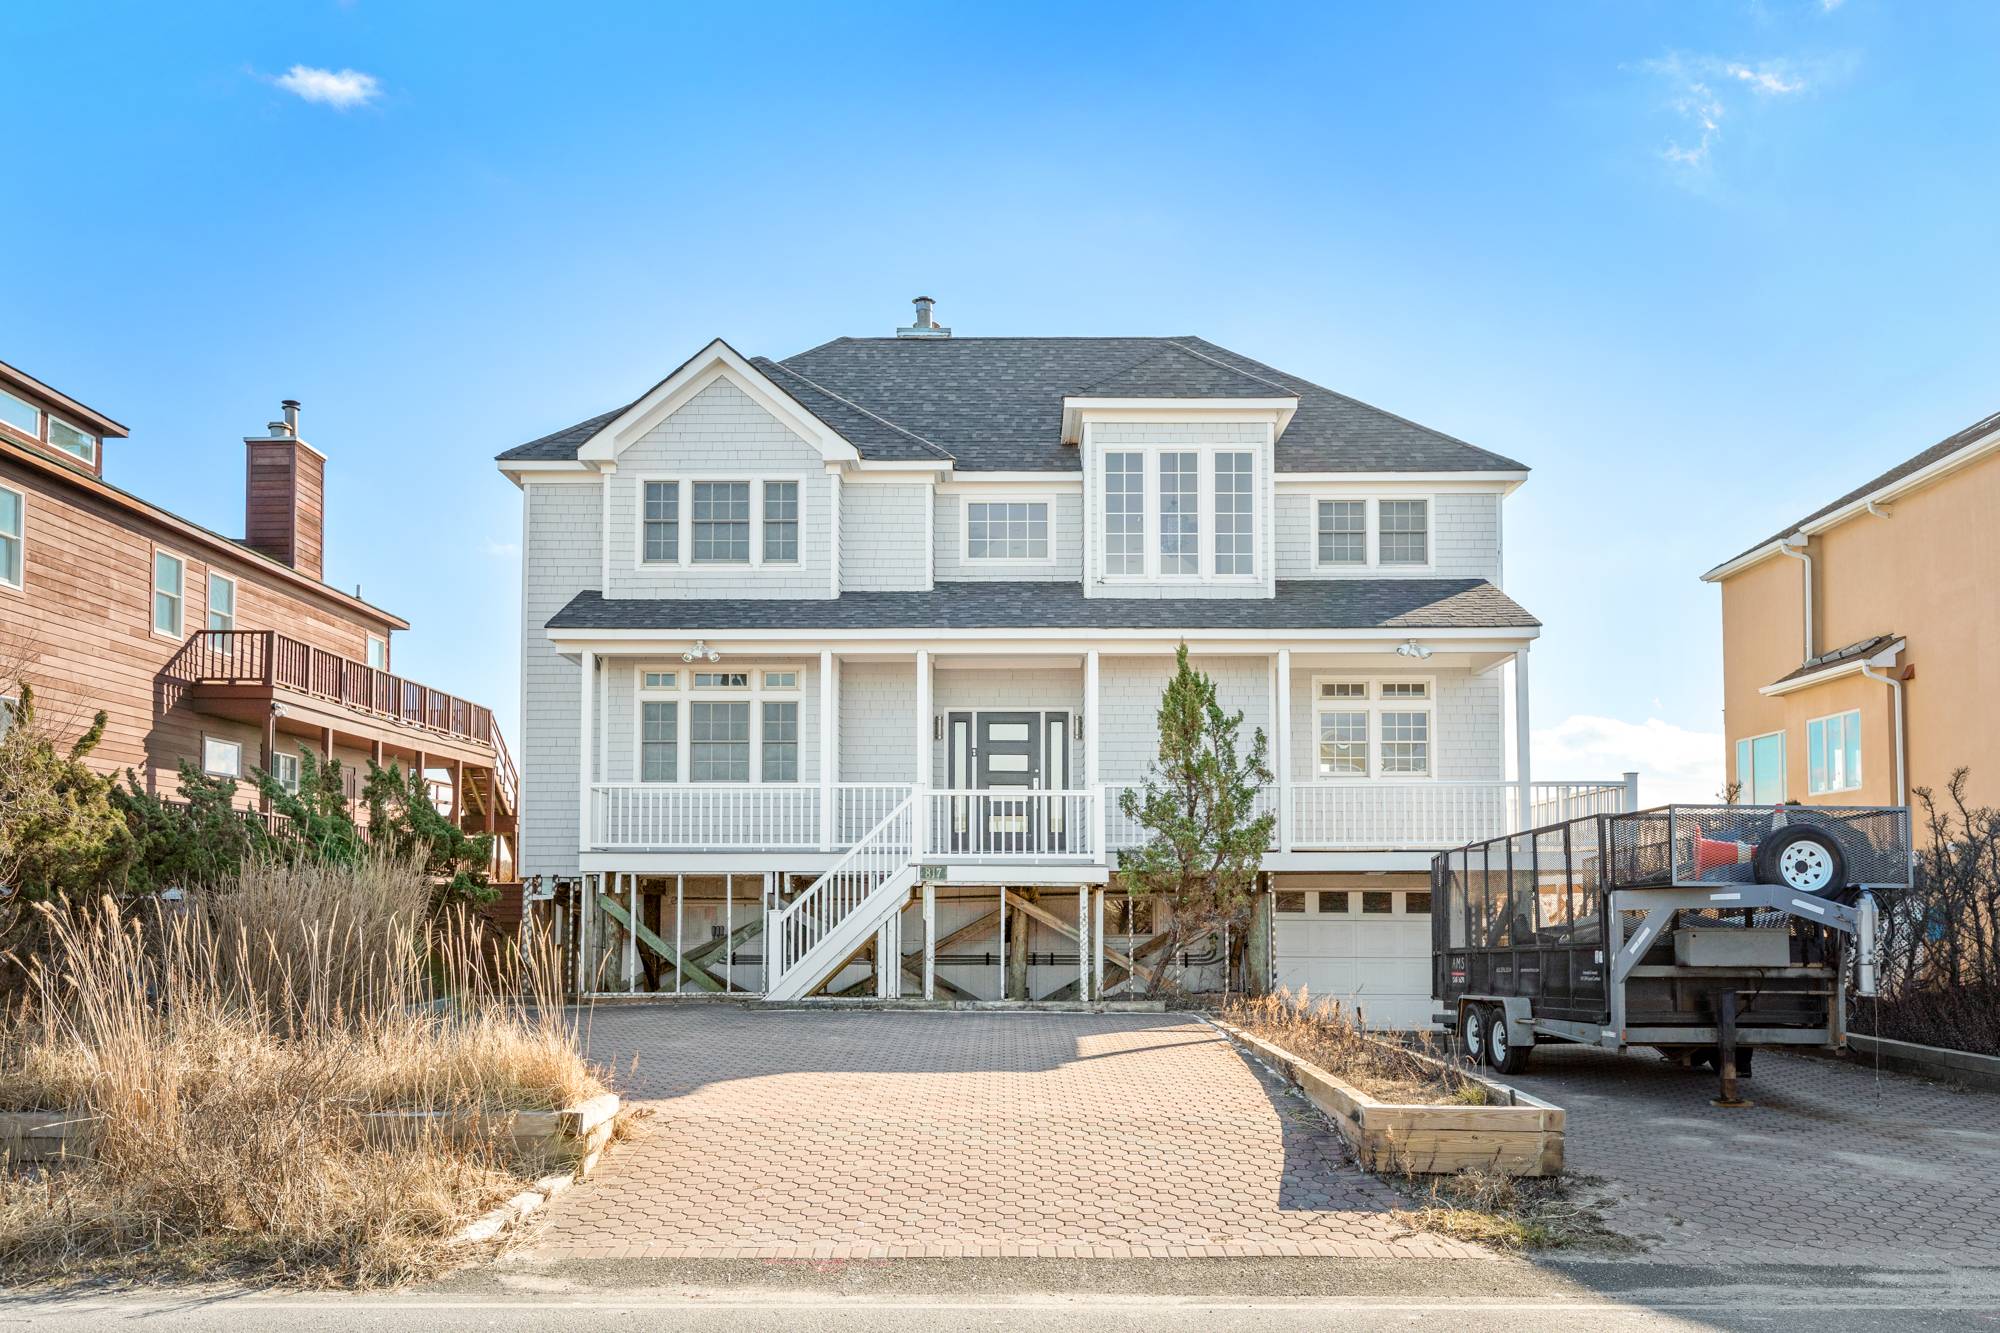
1703, 266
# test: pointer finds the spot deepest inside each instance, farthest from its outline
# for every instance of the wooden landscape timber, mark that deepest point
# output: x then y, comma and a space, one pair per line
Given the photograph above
1520, 1136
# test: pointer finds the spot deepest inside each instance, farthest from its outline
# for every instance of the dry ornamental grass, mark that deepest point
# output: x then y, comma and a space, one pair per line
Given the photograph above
224, 1056
1330, 1035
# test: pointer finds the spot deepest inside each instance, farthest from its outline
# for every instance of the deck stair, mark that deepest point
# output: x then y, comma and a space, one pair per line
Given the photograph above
813, 936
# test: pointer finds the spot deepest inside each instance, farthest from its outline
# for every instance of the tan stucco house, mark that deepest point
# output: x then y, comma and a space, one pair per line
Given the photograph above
1861, 645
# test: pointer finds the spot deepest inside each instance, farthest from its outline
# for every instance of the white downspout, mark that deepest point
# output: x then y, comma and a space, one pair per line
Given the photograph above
1902, 781
1786, 547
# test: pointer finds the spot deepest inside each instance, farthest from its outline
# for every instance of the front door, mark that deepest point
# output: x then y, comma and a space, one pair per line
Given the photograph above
1004, 753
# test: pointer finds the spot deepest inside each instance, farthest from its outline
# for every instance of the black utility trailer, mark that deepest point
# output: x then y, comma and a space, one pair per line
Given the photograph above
1701, 930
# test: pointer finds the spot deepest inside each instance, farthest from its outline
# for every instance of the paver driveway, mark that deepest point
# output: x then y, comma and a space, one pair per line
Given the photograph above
1834, 1164
872, 1134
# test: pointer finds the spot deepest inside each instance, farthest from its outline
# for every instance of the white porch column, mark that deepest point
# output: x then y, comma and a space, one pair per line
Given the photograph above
919, 838
930, 940
1281, 747
828, 702
586, 692
1083, 943
1092, 770
1521, 745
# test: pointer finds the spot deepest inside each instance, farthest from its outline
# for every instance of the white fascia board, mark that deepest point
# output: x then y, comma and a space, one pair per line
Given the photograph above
1503, 483
1278, 410
523, 470
974, 483
1851, 667
890, 471
1862, 504
716, 361
1039, 641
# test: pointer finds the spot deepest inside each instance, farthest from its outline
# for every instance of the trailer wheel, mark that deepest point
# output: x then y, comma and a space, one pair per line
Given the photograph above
1804, 860
1501, 1052
1472, 1033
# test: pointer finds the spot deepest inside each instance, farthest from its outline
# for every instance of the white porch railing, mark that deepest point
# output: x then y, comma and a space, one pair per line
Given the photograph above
1010, 824
734, 816
830, 912
1338, 816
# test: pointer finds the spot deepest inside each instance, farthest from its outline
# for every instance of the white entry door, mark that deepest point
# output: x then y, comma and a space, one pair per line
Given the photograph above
1367, 948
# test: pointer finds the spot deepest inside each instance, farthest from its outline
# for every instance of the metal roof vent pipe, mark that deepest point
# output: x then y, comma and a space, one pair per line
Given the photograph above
925, 326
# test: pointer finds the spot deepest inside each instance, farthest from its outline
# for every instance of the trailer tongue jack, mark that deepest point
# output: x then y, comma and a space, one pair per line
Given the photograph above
1725, 1049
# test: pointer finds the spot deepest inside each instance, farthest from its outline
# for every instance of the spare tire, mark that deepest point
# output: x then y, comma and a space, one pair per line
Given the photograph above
1804, 860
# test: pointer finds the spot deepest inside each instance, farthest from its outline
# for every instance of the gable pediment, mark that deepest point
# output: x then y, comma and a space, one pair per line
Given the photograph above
716, 363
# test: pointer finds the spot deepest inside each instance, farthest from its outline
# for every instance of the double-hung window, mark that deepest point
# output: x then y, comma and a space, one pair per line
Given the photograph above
1343, 532
721, 515
1202, 503
13, 538
1404, 538
1833, 753
719, 740
1007, 530
169, 579
221, 601
662, 523
1760, 769
659, 740
781, 741
1180, 511
1373, 727
781, 522
1125, 513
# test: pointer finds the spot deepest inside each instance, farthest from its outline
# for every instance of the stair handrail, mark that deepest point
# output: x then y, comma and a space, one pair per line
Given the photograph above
829, 900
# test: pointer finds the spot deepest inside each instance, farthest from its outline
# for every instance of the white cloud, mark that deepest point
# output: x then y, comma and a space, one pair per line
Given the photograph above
342, 89
1673, 763
1698, 95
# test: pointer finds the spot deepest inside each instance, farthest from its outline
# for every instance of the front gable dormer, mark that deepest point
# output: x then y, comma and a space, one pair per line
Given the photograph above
715, 363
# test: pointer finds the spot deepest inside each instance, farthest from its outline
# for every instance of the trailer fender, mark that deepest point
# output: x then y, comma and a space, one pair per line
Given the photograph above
1520, 1020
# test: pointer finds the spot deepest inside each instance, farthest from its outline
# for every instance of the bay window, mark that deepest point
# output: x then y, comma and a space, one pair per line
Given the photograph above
1373, 727
1833, 753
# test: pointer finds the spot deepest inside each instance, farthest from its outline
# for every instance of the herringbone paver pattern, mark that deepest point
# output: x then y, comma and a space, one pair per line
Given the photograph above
1833, 1165
877, 1135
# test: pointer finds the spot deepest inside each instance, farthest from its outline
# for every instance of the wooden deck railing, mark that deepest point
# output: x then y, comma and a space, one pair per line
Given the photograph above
265, 657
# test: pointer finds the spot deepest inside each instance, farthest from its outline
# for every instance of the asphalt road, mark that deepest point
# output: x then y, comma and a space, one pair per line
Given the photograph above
1103, 1296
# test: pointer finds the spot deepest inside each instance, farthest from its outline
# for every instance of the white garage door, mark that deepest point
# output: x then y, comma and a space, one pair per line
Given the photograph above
1362, 947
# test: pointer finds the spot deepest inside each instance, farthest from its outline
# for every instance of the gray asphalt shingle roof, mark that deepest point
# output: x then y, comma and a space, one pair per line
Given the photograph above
1863, 648
995, 404
1333, 604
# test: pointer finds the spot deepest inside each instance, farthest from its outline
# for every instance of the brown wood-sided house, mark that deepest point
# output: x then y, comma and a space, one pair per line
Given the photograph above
233, 655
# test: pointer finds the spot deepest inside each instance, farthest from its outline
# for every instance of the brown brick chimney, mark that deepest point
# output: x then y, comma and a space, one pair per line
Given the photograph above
284, 496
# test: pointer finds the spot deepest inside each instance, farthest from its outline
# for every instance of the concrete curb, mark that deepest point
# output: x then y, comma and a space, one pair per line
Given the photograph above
1939, 1062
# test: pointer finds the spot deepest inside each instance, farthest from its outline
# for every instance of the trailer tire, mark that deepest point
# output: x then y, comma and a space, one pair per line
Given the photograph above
1805, 860
1501, 1051
1472, 1033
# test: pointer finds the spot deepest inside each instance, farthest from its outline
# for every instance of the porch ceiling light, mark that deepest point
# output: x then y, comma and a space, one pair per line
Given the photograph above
1411, 648
701, 652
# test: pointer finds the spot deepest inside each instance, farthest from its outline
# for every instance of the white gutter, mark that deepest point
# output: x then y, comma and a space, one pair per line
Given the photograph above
1887, 658
1795, 547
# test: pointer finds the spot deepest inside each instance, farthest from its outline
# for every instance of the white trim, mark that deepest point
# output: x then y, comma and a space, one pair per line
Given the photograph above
49, 423
1371, 533
717, 361
20, 540
684, 692
1822, 719
1152, 531
968, 499
1373, 705
208, 595
1077, 411
1873, 501
382, 639
153, 591
901, 640
972, 483
208, 739
1852, 666
1746, 790
685, 480
1443, 483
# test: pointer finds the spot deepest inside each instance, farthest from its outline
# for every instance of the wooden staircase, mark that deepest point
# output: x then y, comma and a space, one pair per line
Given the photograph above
813, 936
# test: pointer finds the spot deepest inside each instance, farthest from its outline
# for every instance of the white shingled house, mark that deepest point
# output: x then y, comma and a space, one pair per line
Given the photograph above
834, 666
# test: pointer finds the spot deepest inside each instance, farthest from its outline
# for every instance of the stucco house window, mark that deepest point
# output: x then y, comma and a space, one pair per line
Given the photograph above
1760, 769
1833, 753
